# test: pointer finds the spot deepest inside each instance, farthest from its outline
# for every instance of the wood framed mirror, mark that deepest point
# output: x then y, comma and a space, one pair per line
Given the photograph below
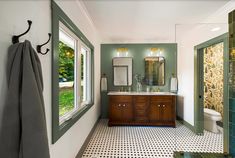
122, 71
155, 71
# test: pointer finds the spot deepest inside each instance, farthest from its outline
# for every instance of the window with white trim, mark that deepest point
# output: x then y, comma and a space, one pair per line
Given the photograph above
74, 74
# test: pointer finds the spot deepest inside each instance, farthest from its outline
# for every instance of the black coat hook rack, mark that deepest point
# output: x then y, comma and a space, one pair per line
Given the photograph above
39, 47
15, 38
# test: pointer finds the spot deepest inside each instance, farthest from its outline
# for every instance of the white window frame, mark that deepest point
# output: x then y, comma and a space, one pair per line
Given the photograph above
87, 74
78, 103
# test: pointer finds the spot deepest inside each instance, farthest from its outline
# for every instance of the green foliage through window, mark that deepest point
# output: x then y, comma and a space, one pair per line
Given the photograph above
66, 100
66, 76
66, 62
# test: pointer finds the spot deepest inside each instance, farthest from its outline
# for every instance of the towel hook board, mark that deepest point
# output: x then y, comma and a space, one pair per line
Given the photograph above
15, 38
39, 47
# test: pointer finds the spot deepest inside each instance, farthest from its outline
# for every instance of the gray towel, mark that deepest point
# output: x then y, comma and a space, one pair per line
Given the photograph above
23, 133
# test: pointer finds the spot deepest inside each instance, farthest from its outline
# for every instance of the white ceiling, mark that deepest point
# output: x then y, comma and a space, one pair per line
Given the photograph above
148, 20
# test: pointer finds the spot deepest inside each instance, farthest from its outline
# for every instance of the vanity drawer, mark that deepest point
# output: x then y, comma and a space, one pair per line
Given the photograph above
141, 99
140, 112
120, 98
160, 98
140, 106
141, 119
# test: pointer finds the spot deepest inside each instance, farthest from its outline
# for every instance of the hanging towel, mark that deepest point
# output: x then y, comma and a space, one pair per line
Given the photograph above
23, 133
104, 83
173, 85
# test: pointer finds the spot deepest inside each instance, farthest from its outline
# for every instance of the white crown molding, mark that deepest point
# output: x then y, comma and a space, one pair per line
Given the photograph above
84, 10
222, 12
82, 6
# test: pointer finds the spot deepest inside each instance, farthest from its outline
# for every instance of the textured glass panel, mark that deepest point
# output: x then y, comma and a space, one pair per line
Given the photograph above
232, 102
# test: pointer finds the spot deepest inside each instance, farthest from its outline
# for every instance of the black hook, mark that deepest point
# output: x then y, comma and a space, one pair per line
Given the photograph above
15, 39
40, 46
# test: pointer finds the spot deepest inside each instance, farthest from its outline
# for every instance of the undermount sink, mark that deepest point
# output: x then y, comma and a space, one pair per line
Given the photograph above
140, 93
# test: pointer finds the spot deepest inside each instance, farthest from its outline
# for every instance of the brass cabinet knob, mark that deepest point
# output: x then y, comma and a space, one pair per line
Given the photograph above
159, 105
124, 105
163, 105
119, 104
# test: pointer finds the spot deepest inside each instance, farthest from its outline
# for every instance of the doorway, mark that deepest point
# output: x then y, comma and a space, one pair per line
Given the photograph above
211, 83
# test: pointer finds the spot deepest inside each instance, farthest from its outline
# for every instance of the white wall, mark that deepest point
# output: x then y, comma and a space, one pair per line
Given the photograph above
13, 19
188, 36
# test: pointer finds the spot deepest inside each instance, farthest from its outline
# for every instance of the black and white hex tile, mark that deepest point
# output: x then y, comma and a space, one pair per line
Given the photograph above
148, 142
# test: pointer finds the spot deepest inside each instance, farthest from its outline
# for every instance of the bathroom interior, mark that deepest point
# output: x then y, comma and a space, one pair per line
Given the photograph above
121, 79
161, 58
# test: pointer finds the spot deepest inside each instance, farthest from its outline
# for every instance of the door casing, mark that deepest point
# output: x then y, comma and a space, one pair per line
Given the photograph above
199, 85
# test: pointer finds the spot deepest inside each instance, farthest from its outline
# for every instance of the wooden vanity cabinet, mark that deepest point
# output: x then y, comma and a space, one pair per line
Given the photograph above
142, 110
162, 110
154, 112
120, 110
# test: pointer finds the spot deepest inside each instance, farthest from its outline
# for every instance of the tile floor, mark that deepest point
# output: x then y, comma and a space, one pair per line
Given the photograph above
144, 142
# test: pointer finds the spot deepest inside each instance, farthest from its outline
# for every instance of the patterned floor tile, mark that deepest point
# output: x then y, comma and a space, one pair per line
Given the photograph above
148, 142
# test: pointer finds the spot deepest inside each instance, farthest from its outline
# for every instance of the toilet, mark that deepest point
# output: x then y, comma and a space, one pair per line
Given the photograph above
210, 118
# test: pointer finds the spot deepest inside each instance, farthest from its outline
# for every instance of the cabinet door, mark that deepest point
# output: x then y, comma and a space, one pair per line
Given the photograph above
127, 112
167, 111
154, 111
115, 113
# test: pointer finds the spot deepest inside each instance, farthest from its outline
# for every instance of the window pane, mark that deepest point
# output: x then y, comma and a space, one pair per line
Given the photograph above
66, 73
83, 74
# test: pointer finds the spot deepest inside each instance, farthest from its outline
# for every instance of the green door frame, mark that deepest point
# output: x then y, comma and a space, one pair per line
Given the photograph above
198, 90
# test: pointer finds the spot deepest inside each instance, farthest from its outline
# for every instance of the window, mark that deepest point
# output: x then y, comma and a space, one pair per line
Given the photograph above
67, 74
85, 74
72, 73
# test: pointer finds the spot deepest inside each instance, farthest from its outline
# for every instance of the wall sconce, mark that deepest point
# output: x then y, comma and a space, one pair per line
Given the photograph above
122, 52
155, 52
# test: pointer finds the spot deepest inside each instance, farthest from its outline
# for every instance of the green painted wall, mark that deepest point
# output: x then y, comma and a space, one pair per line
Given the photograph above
138, 52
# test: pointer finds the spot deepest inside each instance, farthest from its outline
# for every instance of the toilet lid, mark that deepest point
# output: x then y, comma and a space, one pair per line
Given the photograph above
211, 112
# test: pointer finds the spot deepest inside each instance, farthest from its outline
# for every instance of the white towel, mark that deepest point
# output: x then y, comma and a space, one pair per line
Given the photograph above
173, 84
104, 86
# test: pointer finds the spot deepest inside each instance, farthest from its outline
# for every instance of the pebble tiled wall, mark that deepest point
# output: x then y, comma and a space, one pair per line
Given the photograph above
213, 77
232, 83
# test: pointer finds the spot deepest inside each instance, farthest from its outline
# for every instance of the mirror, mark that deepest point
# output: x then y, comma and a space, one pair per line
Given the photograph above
120, 77
155, 71
122, 71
